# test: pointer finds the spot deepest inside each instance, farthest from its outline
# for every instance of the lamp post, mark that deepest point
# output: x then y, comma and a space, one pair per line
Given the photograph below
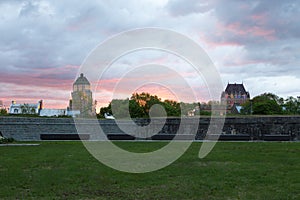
251, 111
298, 104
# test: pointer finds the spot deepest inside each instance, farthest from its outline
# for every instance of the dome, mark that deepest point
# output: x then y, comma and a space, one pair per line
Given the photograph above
82, 80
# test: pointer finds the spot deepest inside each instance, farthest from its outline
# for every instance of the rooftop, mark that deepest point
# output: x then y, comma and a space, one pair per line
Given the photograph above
82, 80
235, 88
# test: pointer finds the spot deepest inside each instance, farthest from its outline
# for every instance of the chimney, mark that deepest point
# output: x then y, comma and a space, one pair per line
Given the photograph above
40, 106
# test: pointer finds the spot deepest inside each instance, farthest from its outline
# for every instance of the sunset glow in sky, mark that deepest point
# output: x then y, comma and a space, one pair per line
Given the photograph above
43, 44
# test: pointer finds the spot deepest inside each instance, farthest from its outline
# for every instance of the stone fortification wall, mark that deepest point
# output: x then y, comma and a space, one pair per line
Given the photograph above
30, 129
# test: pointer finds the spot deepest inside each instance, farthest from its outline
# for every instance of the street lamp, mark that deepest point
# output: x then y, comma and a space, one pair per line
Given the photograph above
251, 111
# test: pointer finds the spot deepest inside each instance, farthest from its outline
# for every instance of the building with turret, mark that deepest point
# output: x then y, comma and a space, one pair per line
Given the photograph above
82, 99
234, 94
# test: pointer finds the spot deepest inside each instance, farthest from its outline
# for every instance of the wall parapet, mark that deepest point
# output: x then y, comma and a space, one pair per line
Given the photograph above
30, 129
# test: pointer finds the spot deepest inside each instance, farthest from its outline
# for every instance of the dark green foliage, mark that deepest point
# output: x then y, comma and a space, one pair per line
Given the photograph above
206, 113
139, 107
292, 105
264, 104
268, 107
247, 108
172, 108
186, 107
135, 110
140, 104
6, 140
3, 111
270, 104
119, 108
104, 110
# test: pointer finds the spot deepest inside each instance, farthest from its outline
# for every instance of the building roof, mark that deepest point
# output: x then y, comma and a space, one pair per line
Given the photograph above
236, 109
235, 89
81, 80
28, 104
239, 108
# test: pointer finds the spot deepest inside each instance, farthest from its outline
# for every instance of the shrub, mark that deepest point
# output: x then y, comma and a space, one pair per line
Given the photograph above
6, 140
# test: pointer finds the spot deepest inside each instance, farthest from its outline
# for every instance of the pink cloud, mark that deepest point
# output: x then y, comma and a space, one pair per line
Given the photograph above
53, 85
214, 43
240, 30
260, 19
55, 78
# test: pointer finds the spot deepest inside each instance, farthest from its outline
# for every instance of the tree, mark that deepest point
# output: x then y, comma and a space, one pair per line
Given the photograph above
3, 111
247, 108
104, 110
267, 107
187, 107
135, 110
172, 108
139, 106
292, 105
264, 104
27, 109
120, 108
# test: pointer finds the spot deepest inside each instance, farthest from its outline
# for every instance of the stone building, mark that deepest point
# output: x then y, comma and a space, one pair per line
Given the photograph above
234, 94
82, 99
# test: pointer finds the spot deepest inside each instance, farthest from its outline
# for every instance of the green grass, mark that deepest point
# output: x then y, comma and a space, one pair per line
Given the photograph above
65, 170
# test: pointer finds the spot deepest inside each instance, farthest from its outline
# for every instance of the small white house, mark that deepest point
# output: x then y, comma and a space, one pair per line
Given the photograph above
25, 108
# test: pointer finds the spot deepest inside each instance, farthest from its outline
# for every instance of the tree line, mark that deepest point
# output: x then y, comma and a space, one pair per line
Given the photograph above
138, 106
142, 106
271, 104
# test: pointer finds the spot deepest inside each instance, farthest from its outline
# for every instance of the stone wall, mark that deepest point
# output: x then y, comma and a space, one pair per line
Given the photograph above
29, 129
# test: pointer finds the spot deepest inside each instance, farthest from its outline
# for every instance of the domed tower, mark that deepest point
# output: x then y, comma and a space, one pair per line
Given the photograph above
82, 99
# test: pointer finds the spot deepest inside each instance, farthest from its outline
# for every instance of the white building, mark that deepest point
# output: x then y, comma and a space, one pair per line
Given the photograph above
59, 112
25, 108
38, 109
52, 112
73, 113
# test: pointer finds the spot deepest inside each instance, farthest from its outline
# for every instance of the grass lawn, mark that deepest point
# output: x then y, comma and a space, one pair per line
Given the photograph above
65, 170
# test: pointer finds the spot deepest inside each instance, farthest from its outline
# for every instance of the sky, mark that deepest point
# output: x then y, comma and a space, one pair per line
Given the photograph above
44, 43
